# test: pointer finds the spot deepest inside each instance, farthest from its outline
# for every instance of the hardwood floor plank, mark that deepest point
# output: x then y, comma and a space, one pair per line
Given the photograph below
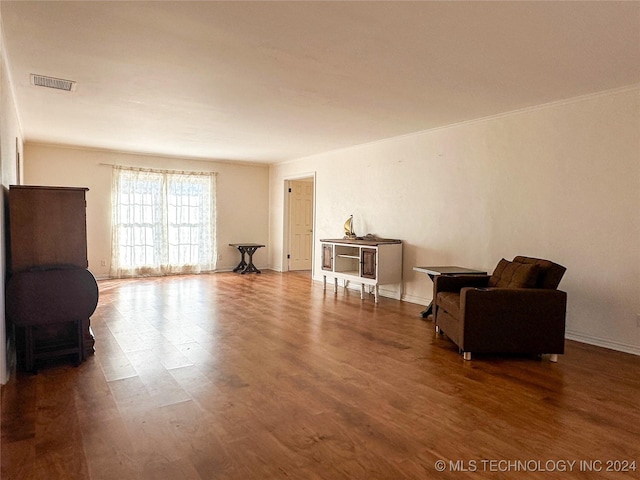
109, 451
232, 376
18, 460
58, 434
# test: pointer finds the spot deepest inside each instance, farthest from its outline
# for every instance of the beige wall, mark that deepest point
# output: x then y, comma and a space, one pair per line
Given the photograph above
242, 193
560, 181
10, 140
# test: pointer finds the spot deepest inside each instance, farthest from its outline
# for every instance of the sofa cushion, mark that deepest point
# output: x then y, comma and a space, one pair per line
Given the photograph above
550, 273
450, 302
514, 275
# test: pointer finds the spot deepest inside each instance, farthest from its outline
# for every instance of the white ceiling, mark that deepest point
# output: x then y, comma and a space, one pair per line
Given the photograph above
272, 81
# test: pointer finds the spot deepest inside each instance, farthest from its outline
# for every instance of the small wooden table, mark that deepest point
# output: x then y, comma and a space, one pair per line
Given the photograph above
248, 248
444, 270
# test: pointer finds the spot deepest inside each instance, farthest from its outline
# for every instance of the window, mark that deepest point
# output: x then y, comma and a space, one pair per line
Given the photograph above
163, 222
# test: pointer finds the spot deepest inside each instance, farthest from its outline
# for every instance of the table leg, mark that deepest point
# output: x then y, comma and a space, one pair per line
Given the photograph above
427, 311
251, 268
242, 265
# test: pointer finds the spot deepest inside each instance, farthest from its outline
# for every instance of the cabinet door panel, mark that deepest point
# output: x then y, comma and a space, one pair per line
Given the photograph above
48, 227
327, 257
368, 263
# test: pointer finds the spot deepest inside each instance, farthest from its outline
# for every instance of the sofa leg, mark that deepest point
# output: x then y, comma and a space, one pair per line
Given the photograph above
466, 355
553, 358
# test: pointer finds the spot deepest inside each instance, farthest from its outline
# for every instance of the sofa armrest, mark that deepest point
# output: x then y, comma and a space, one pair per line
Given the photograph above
454, 283
515, 318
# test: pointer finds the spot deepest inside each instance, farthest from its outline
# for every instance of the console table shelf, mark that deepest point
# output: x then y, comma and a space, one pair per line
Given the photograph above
371, 262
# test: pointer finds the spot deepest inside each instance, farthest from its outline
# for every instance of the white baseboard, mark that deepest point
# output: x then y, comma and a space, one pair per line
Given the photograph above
413, 299
603, 342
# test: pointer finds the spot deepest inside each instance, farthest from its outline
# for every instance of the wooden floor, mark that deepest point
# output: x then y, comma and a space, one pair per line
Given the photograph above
230, 376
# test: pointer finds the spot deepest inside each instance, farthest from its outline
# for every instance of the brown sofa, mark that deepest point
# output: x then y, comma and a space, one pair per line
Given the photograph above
517, 310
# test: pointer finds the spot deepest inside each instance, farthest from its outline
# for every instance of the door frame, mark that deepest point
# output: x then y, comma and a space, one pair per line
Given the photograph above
286, 234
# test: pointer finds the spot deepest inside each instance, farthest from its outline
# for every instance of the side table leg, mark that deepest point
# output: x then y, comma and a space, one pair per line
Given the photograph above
427, 311
251, 268
242, 265
429, 308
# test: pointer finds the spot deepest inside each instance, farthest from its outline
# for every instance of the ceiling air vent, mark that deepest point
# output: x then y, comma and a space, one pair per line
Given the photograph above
51, 82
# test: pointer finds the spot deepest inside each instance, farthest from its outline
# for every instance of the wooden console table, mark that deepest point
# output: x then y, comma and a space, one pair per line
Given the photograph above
248, 248
444, 270
372, 262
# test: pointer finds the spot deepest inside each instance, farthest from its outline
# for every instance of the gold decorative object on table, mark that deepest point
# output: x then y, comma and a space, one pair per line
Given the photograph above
348, 228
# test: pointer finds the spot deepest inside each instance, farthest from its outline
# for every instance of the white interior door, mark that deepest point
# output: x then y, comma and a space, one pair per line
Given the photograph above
300, 224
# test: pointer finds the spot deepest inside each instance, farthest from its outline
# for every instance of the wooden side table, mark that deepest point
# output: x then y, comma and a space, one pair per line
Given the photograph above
248, 248
444, 270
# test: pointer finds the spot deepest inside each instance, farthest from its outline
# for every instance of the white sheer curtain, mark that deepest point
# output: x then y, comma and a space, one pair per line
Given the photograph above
163, 222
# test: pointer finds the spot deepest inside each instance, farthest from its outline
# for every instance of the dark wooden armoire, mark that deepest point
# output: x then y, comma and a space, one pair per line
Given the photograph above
50, 292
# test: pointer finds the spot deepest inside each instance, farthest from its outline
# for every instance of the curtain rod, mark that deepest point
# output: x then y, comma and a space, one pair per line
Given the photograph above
156, 170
